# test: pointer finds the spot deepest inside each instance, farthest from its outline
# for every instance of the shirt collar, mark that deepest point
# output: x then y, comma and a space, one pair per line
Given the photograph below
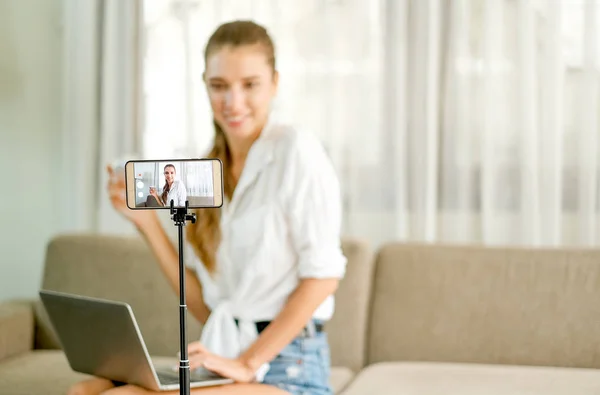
260, 155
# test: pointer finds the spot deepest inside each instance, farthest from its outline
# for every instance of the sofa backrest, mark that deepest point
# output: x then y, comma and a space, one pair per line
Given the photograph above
124, 269
347, 330
486, 305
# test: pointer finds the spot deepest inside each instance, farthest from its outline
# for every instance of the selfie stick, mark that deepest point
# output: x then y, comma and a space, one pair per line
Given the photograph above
180, 216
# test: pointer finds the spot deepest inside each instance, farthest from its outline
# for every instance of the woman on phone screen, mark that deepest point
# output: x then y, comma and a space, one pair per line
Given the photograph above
173, 190
269, 261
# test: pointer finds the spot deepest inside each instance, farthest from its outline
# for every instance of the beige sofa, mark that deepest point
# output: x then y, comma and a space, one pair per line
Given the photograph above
410, 319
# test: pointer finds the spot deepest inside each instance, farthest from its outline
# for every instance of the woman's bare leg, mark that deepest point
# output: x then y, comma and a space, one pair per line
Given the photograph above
93, 386
227, 389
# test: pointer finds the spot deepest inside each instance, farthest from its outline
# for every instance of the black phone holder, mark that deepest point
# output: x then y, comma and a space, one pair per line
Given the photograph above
180, 216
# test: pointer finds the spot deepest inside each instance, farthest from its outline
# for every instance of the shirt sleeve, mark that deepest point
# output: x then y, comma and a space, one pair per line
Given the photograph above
315, 211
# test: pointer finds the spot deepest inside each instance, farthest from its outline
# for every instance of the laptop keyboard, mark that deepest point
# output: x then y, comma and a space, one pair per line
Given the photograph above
168, 377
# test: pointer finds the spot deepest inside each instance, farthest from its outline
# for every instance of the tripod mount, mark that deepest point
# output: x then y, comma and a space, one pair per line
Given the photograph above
180, 216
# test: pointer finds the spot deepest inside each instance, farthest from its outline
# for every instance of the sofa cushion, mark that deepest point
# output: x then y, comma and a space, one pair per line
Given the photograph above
469, 379
340, 378
490, 305
43, 372
47, 372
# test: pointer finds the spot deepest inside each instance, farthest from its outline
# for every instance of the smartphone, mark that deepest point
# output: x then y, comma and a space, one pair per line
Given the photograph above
152, 184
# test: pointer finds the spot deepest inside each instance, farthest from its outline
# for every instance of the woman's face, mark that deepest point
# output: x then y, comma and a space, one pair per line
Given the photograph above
169, 174
241, 85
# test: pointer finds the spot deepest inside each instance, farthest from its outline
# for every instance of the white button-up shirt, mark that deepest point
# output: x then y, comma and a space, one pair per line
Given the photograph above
282, 224
177, 193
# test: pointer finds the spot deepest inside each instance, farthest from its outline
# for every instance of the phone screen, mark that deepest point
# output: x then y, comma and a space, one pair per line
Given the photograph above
153, 184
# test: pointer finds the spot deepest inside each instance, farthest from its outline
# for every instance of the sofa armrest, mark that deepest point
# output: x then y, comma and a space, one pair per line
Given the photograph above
17, 326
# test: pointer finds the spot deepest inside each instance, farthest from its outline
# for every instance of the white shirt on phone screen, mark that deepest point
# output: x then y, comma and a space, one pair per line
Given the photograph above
177, 193
282, 224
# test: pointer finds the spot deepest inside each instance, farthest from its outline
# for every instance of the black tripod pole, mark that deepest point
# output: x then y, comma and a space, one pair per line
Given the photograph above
180, 215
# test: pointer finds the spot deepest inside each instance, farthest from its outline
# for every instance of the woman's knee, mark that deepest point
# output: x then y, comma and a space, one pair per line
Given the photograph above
80, 388
126, 390
94, 386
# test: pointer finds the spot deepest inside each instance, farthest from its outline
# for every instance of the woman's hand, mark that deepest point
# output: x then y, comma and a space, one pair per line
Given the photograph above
234, 369
117, 195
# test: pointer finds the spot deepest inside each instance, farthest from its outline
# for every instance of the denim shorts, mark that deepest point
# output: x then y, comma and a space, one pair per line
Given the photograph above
303, 367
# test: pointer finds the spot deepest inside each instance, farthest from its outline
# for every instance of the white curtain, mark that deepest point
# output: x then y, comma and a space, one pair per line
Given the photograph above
454, 121
101, 107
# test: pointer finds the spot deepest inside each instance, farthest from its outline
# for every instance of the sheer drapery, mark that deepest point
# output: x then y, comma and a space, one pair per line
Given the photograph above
101, 107
448, 121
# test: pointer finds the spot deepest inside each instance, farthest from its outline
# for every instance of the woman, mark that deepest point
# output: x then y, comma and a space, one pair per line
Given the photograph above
275, 243
173, 189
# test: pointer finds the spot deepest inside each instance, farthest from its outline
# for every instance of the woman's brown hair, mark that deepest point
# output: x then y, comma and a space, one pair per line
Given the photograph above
205, 235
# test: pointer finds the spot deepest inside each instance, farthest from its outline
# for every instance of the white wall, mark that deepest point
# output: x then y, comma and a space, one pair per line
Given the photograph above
30, 139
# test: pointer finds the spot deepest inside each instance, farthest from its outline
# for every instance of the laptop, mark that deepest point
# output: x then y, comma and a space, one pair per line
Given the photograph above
102, 338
